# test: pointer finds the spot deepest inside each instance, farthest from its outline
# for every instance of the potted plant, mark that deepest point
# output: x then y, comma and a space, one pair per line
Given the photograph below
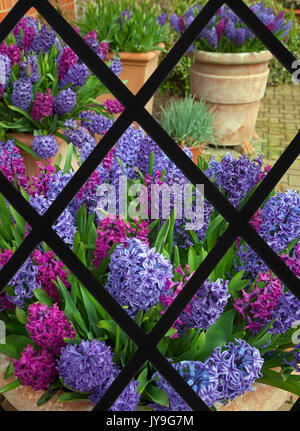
135, 32
43, 86
294, 6
239, 324
230, 69
189, 123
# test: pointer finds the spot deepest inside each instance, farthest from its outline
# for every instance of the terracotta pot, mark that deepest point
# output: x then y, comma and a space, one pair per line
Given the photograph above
297, 13
197, 151
137, 68
234, 85
30, 163
264, 398
24, 398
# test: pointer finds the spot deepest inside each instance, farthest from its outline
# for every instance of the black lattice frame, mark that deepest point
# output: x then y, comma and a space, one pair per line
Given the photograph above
238, 221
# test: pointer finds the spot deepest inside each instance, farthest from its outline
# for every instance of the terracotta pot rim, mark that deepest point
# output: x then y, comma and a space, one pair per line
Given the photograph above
238, 58
138, 56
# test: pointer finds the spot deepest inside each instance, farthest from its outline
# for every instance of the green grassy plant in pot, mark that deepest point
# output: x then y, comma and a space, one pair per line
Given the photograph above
135, 32
189, 123
43, 85
230, 69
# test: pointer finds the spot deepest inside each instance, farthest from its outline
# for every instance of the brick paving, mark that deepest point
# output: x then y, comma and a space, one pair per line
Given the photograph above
277, 124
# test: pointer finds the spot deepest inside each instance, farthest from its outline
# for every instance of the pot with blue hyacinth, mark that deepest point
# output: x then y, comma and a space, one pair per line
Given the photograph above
230, 69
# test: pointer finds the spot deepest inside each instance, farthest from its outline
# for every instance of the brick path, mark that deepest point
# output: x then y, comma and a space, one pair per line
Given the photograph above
278, 123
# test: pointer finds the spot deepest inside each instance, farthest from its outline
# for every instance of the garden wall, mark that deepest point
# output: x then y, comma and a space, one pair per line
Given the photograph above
65, 6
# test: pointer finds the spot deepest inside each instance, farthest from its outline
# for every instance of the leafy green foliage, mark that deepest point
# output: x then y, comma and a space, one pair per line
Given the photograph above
188, 121
140, 33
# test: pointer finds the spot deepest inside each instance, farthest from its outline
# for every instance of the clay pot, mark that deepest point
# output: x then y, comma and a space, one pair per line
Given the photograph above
264, 398
24, 398
197, 151
137, 68
30, 163
234, 84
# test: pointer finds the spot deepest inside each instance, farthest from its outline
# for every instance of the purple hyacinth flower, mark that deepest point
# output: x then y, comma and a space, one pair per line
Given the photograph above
161, 19
230, 30
44, 40
21, 96
137, 275
64, 102
44, 146
240, 36
76, 75
125, 15
29, 68
85, 366
174, 21
5, 70
212, 37
116, 66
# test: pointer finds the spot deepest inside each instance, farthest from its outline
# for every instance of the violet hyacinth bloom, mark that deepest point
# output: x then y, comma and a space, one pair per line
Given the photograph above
23, 282
127, 401
281, 215
240, 36
44, 146
29, 68
95, 123
174, 21
64, 226
230, 30
35, 368
12, 164
207, 305
212, 37
42, 107
161, 19
44, 40
85, 366
237, 366
48, 326
78, 135
137, 275
235, 177
76, 75
202, 379
204, 308
64, 102
125, 15
5, 70
116, 66
21, 96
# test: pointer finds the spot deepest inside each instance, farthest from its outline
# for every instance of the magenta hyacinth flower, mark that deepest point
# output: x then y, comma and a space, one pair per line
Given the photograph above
42, 106
35, 368
48, 326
